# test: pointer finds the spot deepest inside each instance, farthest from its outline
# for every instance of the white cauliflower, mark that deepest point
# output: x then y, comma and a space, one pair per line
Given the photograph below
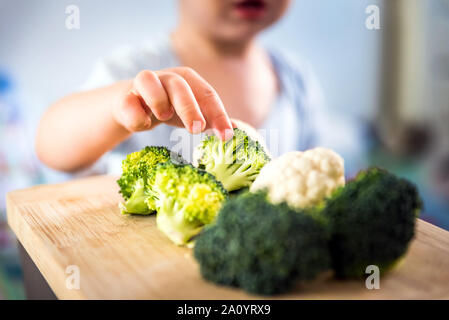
302, 179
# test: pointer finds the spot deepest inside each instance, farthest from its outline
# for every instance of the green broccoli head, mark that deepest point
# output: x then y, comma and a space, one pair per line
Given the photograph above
136, 168
372, 221
236, 162
261, 247
186, 199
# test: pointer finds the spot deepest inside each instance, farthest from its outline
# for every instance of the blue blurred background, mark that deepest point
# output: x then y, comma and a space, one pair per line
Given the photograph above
394, 82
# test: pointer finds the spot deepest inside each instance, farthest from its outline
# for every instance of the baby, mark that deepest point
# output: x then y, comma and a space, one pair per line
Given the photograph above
209, 70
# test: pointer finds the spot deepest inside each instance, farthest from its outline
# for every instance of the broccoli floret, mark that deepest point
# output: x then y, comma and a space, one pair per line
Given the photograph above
135, 204
186, 199
236, 162
261, 247
133, 183
372, 221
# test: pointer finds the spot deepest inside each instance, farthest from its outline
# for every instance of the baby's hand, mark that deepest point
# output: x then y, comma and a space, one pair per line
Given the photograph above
179, 97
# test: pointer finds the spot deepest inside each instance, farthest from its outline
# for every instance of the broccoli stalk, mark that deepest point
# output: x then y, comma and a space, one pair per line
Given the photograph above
234, 175
186, 199
136, 203
236, 162
171, 220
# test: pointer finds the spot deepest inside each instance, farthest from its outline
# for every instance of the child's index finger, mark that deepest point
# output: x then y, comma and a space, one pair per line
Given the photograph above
209, 102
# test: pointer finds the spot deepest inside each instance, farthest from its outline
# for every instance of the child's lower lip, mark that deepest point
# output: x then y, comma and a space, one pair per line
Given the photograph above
250, 12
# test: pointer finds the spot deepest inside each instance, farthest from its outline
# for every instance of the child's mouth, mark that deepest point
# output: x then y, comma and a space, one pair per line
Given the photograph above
250, 9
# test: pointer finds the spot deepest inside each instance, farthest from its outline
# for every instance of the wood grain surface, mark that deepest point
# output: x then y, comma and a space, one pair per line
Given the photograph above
126, 257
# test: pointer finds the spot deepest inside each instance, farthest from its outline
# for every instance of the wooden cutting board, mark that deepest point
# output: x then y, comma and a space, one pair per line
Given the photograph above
125, 257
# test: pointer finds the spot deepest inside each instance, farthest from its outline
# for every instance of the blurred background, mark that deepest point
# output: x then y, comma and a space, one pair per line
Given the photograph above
393, 82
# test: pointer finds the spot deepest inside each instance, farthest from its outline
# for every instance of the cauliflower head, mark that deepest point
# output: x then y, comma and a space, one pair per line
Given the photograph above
302, 179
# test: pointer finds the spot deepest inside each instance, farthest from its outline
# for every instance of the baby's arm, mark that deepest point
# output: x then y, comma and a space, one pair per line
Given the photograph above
80, 128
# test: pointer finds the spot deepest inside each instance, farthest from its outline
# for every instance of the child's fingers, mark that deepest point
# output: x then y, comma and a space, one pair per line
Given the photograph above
183, 100
209, 102
150, 88
132, 115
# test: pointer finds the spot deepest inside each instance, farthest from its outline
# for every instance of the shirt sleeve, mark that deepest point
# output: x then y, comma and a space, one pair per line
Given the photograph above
100, 76
106, 71
121, 64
